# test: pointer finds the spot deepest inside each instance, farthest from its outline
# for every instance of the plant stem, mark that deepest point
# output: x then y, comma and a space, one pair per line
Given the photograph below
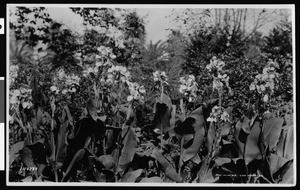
161, 125
182, 138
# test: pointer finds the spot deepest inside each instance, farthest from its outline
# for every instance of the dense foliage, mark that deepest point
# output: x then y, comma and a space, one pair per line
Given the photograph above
105, 106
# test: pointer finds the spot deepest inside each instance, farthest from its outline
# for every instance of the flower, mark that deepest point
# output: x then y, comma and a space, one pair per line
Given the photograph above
118, 72
13, 73
135, 91
160, 76
218, 112
215, 64
20, 96
188, 87
65, 83
265, 98
54, 89
252, 86
217, 84
265, 83
225, 117
64, 91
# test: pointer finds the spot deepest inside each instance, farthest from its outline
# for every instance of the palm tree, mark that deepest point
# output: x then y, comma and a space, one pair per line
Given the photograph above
153, 53
19, 51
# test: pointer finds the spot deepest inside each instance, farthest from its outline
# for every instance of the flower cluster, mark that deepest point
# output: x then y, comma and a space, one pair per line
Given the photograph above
20, 96
219, 82
265, 83
215, 64
13, 73
105, 52
222, 78
65, 83
218, 112
136, 91
118, 73
188, 87
160, 76
117, 35
94, 68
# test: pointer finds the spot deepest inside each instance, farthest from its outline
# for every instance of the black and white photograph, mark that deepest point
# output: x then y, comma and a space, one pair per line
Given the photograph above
150, 95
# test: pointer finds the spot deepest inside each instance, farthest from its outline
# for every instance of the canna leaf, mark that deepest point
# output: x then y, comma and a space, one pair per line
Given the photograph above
252, 149
276, 162
278, 176
61, 146
107, 161
166, 166
78, 156
151, 180
130, 177
14, 151
129, 147
286, 143
199, 128
162, 110
173, 117
271, 131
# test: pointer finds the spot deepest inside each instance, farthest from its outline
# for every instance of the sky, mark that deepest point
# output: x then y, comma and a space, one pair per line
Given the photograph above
156, 20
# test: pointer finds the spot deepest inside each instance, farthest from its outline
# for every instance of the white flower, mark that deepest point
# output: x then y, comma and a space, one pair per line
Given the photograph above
16, 93
182, 88
142, 89
215, 64
217, 85
265, 98
112, 56
156, 75
252, 86
13, 73
26, 105
61, 74
212, 119
64, 91
225, 117
129, 98
160, 76
73, 90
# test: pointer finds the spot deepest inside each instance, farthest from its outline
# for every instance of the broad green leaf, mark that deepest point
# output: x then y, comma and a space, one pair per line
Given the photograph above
130, 177
173, 116
252, 149
199, 127
27, 179
166, 166
271, 131
276, 162
162, 110
278, 175
27, 159
285, 145
220, 161
209, 177
61, 146
151, 180
129, 148
78, 156
289, 176
14, 151
107, 161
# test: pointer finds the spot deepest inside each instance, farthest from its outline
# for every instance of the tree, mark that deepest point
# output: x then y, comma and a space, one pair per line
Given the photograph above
243, 22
